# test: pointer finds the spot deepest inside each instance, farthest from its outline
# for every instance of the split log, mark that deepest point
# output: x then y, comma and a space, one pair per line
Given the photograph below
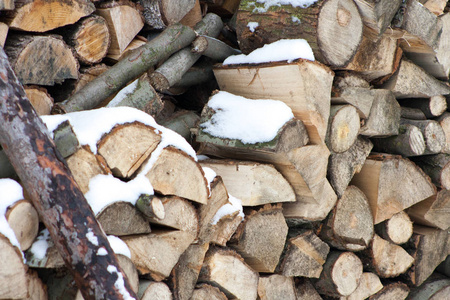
37, 16
206, 291
432, 211
359, 97
429, 247
369, 284
444, 121
349, 226
213, 48
385, 258
157, 253
149, 290
137, 42
436, 166
408, 142
134, 65
162, 13
276, 287
23, 219
7, 5
432, 107
432, 132
13, 272
193, 16
411, 81
41, 59
435, 287
227, 270
324, 24
186, 272
40, 99
124, 22
306, 290
397, 229
437, 7
387, 195
343, 128
395, 290
384, 116
55, 194
89, 38
253, 183
303, 85
176, 173
178, 213
304, 256
342, 166
341, 274
127, 146
3, 33
262, 255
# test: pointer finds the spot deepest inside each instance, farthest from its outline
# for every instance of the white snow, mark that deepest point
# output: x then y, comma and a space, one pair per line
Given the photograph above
120, 283
268, 3
40, 245
119, 246
296, 20
91, 237
209, 175
123, 93
247, 120
281, 50
252, 26
234, 205
102, 251
10, 192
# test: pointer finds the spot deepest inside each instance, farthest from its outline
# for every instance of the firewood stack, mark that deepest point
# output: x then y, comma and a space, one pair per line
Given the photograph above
349, 199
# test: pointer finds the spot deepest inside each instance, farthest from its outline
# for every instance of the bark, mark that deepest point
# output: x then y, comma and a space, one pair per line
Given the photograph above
276, 287
369, 284
54, 193
159, 14
432, 107
432, 211
395, 290
432, 132
213, 48
436, 166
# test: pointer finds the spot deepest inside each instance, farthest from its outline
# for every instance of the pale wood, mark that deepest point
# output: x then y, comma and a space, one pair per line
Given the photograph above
37, 290
7, 5
435, 6
206, 291
387, 195
432, 211
40, 99
411, 81
84, 165
395, 290
38, 16
4, 28
303, 85
276, 287
306, 290
349, 226
444, 121
127, 146
193, 16
124, 22
432, 107
253, 183
13, 272
436, 166
23, 219
137, 42
304, 256
343, 128
360, 97
434, 288
151, 206
159, 14
176, 173
186, 272
157, 253
341, 274
342, 166
122, 218
149, 290
432, 132
260, 238
227, 270
369, 284
397, 229
386, 259
41, 59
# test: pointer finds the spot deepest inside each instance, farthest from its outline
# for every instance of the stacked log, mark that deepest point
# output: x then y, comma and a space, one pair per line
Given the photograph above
348, 199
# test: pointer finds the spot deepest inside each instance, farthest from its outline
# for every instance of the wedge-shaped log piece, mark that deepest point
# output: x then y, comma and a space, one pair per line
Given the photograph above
207, 291
432, 211
186, 272
342, 166
435, 287
341, 274
360, 97
228, 271
253, 183
149, 290
127, 146
349, 226
397, 229
37, 290
343, 128
306, 290
394, 290
436, 166
40, 99
304, 85
41, 59
23, 219
176, 173
157, 253
41, 16
122, 218
391, 184
13, 272
324, 24
162, 13
429, 247
411, 81
276, 287
85, 165
262, 255
369, 284
124, 22
304, 256
385, 258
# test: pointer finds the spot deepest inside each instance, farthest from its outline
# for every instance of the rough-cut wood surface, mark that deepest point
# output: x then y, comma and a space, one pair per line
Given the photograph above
149, 290
395, 290
369, 284
343, 128
276, 287
13, 283
397, 229
40, 99
23, 219
432, 211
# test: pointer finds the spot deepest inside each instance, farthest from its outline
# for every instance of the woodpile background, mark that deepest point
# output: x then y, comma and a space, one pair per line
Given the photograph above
351, 200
